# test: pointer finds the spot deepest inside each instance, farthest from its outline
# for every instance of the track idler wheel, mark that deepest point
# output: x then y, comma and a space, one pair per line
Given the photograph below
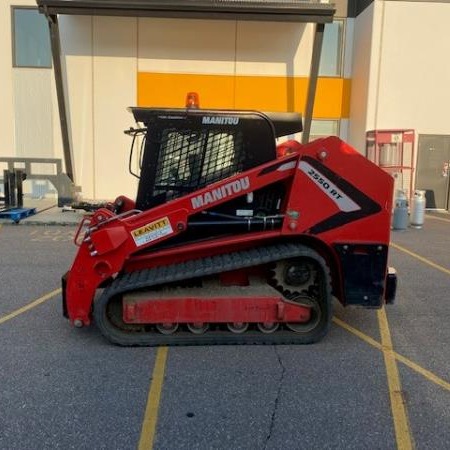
306, 280
313, 322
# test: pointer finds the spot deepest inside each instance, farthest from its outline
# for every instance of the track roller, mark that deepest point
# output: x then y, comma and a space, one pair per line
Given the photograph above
167, 328
268, 327
237, 327
197, 327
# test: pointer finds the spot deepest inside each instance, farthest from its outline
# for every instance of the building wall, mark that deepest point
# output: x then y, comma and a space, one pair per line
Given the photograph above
394, 75
362, 74
242, 65
400, 69
414, 69
7, 132
100, 62
400, 75
77, 47
29, 119
110, 63
113, 63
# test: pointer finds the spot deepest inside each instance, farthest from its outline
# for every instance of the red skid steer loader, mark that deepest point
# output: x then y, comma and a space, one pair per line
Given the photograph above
232, 239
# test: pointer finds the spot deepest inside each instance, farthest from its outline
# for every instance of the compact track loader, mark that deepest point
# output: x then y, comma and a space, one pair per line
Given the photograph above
233, 239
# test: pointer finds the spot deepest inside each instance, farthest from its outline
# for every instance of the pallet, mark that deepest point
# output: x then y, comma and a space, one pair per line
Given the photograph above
17, 214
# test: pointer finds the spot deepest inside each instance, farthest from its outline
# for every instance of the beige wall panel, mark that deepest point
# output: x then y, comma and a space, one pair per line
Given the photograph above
7, 113
114, 86
33, 109
76, 44
56, 124
7, 145
273, 48
415, 68
187, 46
344, 126
376, 50
361, 69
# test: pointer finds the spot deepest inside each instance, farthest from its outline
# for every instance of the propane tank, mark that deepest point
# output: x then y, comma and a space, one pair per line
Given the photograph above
400, 219
418, 209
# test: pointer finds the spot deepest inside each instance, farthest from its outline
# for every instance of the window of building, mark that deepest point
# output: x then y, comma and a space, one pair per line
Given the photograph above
324, 128
31, 42
331, 56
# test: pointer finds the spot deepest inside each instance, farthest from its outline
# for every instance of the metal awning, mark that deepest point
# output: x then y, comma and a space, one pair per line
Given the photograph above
256, 10
272, 10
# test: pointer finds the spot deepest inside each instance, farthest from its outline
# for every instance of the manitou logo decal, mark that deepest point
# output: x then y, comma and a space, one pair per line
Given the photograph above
342, 200
220, 193
220, 120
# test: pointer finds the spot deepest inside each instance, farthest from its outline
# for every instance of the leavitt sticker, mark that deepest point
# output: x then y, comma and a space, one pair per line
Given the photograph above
152, 231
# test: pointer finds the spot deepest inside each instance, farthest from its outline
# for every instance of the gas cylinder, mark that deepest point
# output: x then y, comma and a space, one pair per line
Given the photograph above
418, 203
400, 218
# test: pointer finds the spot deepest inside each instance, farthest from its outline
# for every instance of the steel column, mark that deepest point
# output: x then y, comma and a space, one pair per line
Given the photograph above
56, 52
313, 75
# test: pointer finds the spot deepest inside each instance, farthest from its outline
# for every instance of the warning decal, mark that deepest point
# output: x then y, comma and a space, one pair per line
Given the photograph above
152, 231
343, 201
351, 201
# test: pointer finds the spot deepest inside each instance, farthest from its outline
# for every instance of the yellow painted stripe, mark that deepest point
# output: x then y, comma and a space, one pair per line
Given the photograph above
429, 216
424, 372
358, 333
421, 258
169, 90
148, 431
412, 365
401, 425
346, 95
31, 305
265, 93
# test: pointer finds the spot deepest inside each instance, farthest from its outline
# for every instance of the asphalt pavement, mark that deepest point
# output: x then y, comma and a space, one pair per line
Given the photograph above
62, 387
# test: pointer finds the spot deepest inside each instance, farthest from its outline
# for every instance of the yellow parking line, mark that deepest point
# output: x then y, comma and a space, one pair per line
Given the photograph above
31, 305
412, 365
148, 431
424, 372
358, 333
399, 414
421, 258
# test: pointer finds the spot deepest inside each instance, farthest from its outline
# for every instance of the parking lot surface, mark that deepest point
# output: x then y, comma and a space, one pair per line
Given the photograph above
379, 379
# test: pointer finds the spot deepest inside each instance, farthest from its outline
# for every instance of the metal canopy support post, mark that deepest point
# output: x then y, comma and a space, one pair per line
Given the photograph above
56, 52
313, 75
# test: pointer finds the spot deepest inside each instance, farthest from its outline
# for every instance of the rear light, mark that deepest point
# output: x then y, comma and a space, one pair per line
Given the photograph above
192, 100
391, 286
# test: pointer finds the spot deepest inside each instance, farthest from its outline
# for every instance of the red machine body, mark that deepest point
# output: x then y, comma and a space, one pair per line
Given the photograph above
246, 278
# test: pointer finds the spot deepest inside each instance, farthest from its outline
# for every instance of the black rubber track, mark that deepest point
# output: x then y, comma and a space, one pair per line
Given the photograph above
198, 268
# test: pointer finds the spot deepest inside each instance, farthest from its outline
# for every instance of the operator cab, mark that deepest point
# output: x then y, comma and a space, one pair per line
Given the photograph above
187, 149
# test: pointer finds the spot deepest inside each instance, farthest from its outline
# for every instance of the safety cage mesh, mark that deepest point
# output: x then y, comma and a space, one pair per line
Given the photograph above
190, 160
